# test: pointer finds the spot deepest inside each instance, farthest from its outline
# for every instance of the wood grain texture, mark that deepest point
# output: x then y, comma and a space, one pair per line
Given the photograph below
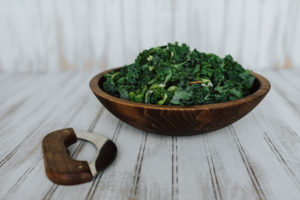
42, 36
257, 157
59, 167
179, 120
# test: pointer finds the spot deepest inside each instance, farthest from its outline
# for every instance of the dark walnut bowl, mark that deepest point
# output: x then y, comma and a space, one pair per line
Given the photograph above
180, 120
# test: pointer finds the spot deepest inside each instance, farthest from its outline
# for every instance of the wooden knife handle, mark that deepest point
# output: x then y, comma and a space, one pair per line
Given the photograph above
60, 168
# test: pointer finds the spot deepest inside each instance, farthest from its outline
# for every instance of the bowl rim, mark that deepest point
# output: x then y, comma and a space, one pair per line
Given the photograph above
98, 91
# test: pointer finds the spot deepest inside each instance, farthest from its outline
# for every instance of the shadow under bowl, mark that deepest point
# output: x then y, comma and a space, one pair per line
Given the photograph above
180, 120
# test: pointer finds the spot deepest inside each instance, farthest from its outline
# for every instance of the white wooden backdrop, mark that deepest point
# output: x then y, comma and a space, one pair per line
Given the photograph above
54, 35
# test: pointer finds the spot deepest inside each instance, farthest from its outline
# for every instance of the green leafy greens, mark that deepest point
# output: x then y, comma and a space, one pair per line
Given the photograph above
175, 75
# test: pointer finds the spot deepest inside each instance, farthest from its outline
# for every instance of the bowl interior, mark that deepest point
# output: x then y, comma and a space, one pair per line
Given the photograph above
256, 85
180, 120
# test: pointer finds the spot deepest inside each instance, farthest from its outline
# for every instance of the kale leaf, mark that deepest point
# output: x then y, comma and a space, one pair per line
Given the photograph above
175, 75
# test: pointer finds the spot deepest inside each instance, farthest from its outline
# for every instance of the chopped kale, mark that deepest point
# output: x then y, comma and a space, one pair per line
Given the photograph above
175, 75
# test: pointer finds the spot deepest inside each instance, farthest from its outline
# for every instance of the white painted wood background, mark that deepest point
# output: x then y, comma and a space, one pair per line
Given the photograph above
257, 157
54, 35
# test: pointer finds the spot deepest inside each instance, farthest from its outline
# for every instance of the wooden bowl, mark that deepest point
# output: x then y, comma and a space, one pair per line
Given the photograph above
180, 120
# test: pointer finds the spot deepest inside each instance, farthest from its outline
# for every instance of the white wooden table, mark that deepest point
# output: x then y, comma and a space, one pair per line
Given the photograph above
257, 157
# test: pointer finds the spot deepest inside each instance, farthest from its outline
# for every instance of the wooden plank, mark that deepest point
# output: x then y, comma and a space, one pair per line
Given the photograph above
47, 193
18, 98
115, 54
252, 32
21, 91
113, 174
277, 107
143, 192
211, 166
81, 35
31, 114
131, 33
280, 131
262, 161
276, 101
5, 78
14, 84
100, 33
282, 86
155, 169
108, 126
85, 119
275, 127
164, 21
20, 146
227, 165
22, 86
123, 175
35, 174
291, 76
255, 158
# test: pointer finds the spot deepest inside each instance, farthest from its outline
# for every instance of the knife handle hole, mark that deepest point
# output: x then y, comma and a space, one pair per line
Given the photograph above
83, 150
